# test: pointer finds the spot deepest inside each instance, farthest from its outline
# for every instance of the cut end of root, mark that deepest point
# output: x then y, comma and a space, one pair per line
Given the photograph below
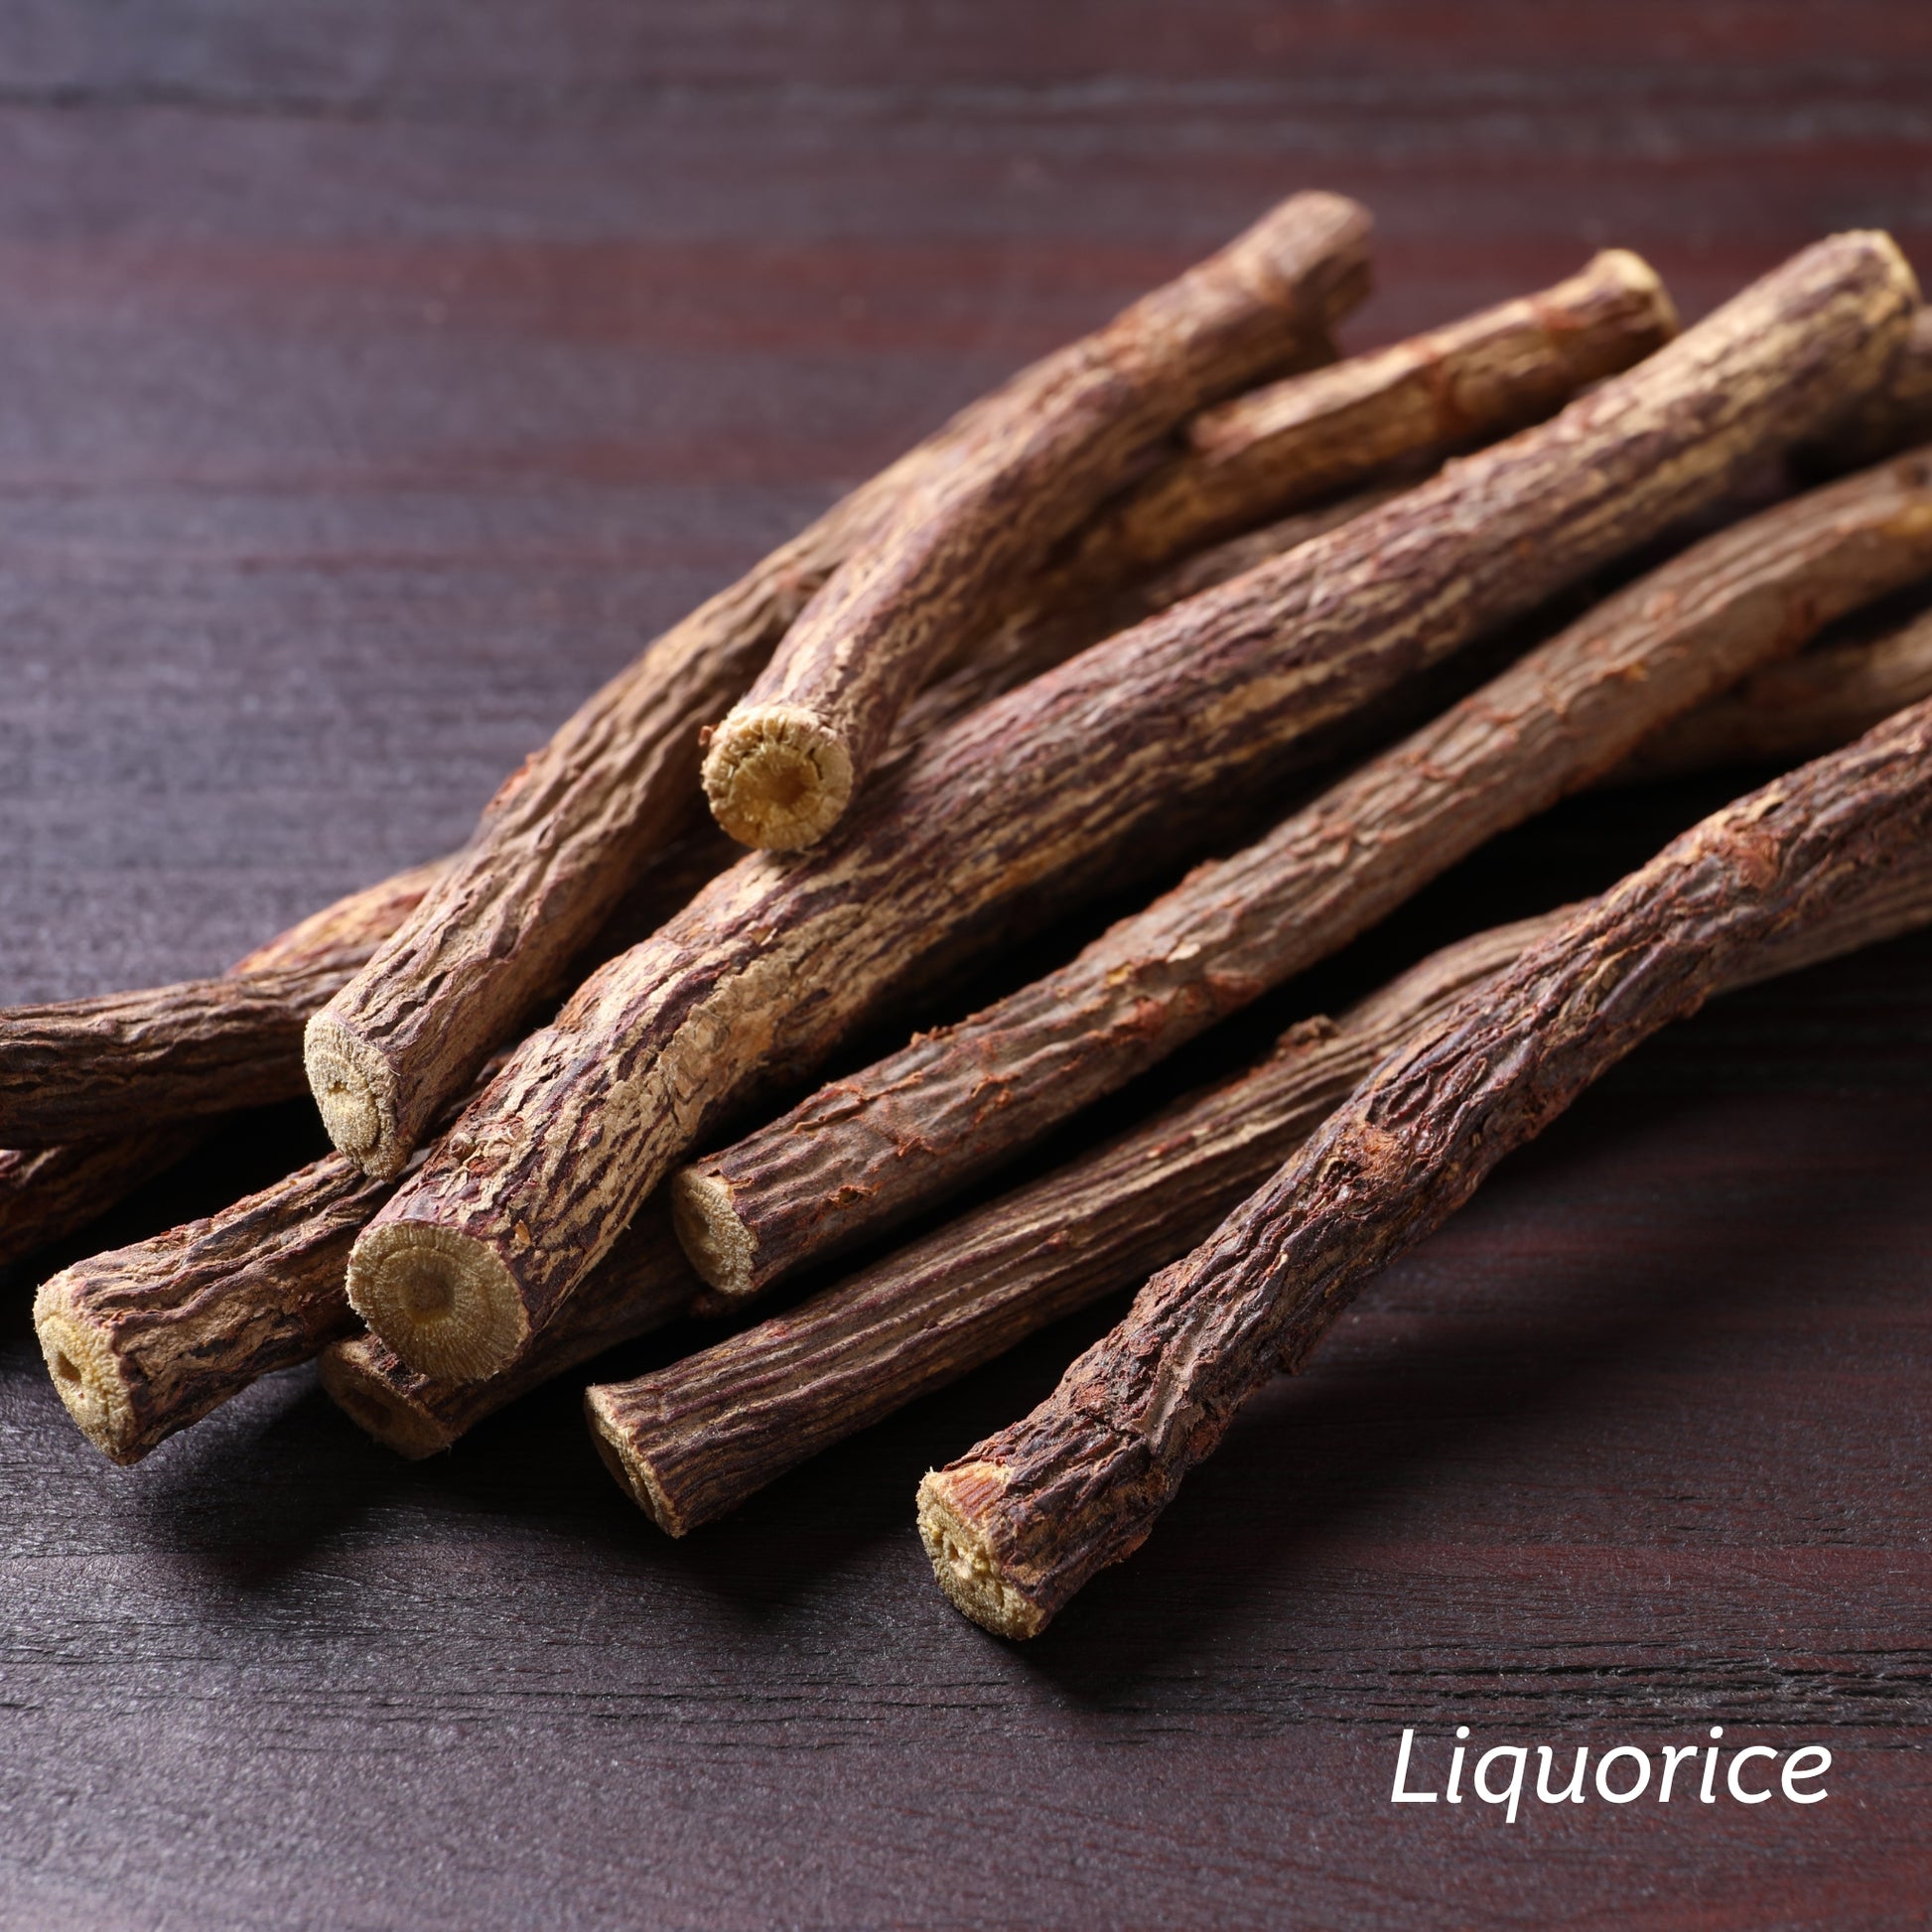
356, 1091
717, 1244
444, 1303
357, 1387
633, 1473
1633, 272
965, 1566
777, 776
1898, 269
87, 1375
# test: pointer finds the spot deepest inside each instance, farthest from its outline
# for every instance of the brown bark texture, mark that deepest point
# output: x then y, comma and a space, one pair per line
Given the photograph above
1330, 429
779, 958
143, 1340
1897, 415
47, 1192
693, 1440
50, 1191
1813, 704
1016, 1525
568, 831
73, 1070
1041, 638
643, 1282
943, 568
870, 1149
1335, 441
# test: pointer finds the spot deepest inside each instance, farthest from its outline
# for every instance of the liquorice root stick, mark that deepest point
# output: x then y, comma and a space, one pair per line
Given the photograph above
1812, 705
693, 1440
869, 1149
1333, 429
784, 764
778, 960
944, 567
700, 1436
143, 1340
567, 832
51, 1191
643, 1282
75, 1068
1016, 1525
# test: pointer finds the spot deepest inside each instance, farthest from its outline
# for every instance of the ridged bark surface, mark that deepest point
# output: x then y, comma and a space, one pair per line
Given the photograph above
890, 1140
777, 961
693, 1440
946, 565
567, 832
1297, 441
143, 1340
1798, 710
1016, 1525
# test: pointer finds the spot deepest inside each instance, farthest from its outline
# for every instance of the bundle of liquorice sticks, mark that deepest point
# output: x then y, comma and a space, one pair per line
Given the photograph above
1101, 618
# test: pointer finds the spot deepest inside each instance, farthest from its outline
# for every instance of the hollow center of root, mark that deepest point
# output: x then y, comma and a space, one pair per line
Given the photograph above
779, 778
66, 1369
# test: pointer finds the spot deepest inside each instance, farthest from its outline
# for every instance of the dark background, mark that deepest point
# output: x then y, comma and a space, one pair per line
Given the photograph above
376, 376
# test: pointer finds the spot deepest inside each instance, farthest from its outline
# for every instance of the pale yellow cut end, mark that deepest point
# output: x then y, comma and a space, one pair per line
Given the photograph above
1634, 273
1898, 267
86, 1374
632, 1473
356, 1091
967, 1569
445, 1303
719, 1245
352, 1383
777, 776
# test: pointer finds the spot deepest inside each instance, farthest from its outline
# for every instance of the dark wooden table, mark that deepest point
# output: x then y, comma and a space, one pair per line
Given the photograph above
376, 376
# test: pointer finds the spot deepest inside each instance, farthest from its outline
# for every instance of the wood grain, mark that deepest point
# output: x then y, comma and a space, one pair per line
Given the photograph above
403, 365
